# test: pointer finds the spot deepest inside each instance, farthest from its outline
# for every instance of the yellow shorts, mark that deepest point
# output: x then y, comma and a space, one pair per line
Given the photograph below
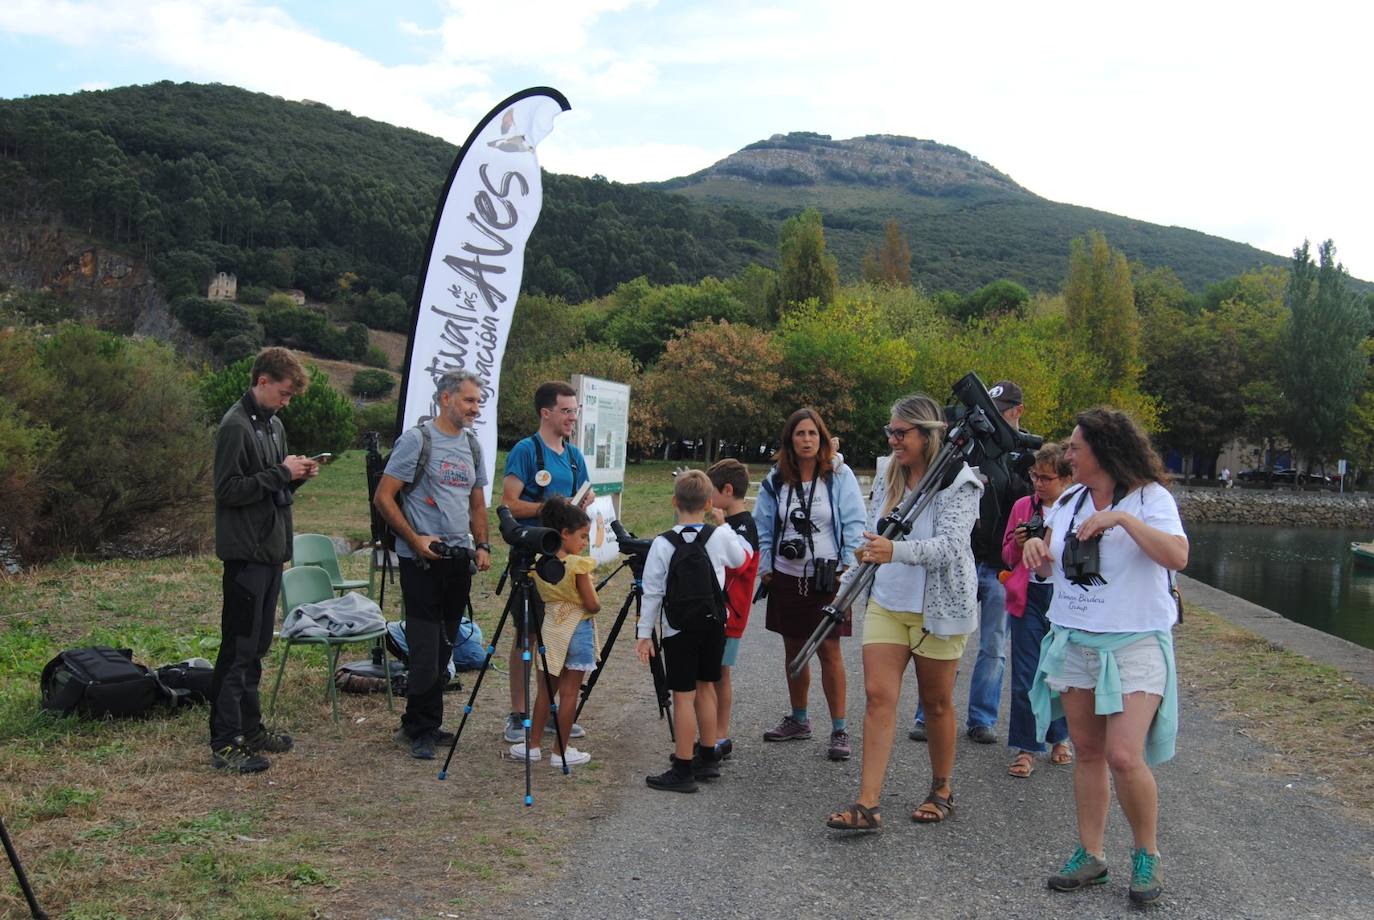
894, 627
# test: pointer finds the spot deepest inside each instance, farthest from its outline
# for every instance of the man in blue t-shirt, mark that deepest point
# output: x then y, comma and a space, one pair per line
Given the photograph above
539, 467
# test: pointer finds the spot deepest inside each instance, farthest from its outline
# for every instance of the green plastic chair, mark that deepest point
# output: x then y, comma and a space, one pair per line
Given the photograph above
309, 584
317, 549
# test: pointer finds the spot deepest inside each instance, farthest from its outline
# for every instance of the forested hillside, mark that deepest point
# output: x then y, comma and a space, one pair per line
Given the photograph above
205, 178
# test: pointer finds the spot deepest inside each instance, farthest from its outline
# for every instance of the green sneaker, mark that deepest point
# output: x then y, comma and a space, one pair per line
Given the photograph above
1147, 876
1082, 869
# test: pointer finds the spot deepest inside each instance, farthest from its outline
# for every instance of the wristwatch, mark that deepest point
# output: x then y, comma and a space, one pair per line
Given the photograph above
485, 546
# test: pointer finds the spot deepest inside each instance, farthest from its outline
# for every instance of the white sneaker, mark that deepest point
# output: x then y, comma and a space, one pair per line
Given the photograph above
517, 752
574, 758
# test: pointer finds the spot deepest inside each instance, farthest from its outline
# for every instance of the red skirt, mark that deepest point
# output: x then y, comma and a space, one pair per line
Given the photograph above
794, 614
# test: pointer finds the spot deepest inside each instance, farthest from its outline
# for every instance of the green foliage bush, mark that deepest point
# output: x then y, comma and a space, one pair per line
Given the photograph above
105, 449
253, 294
379, 417
375, 357
288, 324
383, 311
229, 330
370, 384
319, 419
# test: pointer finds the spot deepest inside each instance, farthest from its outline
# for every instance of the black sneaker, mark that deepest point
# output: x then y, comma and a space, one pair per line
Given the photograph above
235, 758
422, 746
982, 734
706, 764
677, 778
265, 740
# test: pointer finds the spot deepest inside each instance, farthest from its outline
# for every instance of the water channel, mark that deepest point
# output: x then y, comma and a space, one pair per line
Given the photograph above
1304, 573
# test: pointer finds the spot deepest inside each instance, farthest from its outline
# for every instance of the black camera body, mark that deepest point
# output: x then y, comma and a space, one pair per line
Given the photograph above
793, 549
1035, 527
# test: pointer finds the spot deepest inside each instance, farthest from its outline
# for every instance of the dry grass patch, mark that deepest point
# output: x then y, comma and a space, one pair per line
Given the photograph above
1318, 719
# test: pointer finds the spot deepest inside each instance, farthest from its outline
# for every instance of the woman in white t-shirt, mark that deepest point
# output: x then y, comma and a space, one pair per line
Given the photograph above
1112, 544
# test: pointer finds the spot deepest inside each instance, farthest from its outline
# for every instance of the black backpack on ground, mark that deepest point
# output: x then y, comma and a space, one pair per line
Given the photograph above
692, 599
188, 680
101, 682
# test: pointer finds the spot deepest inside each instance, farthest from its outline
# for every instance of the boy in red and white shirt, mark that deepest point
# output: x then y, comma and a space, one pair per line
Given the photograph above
730, 482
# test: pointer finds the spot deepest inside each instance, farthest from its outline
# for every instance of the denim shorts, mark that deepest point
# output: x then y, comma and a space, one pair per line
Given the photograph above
582, 649
731, 654
1141, 665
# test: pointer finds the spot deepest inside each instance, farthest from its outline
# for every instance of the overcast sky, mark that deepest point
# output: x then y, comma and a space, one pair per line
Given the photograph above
1247, 120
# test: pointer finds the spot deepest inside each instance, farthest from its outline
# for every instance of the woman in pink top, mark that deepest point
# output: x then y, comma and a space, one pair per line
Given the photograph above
1027, 604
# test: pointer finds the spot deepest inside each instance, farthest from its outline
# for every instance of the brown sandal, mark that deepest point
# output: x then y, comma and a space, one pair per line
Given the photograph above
856, 818
1061, 755
938, 808
1022, 765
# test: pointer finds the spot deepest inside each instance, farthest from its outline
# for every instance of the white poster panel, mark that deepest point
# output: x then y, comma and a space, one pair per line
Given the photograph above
476, 259
602, 545
603, 430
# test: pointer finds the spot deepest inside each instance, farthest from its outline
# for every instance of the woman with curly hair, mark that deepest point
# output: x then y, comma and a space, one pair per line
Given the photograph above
1111, 546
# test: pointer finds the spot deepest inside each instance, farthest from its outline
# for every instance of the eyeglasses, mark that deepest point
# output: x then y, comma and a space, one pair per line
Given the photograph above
897, 433
1036, 477
567, 412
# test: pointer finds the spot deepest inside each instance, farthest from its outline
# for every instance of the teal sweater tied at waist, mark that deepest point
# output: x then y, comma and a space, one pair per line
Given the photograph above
1159, 742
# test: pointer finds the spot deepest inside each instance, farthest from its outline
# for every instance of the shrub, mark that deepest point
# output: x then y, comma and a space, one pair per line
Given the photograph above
253, 294
372, 384
219, 322
320, 419
122, 417
375, 357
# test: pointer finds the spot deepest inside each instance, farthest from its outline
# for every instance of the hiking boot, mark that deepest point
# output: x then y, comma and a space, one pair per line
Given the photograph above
789, 729
839, 746
572, 756
918, 732
982, 734
442, 737
1082, 869
422, 746
515, 728
706, 764
677, 778
1147, 877
577, 731
268, 741
236, 758
724, 748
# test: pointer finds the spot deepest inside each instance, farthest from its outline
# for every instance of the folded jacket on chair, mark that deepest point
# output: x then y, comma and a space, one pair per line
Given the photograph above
335, 618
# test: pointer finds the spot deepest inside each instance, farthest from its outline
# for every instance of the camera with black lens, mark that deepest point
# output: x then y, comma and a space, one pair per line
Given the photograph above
824, 576
1035, 527
527, 542
794, 548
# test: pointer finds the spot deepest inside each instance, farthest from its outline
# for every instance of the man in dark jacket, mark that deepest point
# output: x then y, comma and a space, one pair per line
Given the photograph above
255, 479
1004, 482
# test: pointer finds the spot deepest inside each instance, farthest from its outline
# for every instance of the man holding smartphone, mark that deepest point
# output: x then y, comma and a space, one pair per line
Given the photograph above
255, 480
545, 464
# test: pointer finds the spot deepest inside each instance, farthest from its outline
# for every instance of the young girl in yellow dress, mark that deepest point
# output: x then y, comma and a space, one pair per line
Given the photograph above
570, 639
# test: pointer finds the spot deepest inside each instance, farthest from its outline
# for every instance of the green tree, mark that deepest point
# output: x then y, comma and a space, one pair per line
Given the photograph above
372, 384
1322, 361
890, 261
994, 299
318, 419
805, 270
645, 316
1100, 302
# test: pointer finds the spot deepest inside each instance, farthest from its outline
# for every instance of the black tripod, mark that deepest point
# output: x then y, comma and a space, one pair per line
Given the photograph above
19, 874
633, 599
526, 621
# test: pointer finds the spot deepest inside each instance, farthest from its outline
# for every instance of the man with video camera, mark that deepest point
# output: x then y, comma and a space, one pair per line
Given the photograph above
442, 509
1005, 482
255, 480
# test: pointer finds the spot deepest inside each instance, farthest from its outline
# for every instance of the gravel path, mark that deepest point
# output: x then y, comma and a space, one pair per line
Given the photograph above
1239, 838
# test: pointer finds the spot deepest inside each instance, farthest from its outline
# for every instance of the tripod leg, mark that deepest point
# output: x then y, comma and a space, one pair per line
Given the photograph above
18, 867
661, 691
553, 701
476, 685
605, 653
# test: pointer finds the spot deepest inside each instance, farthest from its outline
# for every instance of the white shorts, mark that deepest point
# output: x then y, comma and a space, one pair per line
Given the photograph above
1141, 665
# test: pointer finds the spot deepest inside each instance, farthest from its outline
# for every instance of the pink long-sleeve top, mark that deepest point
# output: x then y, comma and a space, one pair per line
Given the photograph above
1016, 580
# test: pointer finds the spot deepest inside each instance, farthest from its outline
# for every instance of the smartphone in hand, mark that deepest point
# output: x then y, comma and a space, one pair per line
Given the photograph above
322, 458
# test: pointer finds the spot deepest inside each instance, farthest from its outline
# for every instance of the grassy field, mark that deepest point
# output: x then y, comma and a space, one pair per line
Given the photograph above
127, 819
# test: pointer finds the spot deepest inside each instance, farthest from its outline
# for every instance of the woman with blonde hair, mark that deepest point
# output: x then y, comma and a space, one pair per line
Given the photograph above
922, 606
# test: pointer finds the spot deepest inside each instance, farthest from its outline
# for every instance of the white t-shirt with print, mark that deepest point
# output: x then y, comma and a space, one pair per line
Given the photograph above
1136, 596
822, 539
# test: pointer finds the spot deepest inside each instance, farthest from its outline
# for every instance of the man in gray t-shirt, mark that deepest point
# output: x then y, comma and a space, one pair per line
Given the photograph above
443, 503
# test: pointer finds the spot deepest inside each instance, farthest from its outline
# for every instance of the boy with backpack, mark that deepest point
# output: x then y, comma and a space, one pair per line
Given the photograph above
684, 579
729, 484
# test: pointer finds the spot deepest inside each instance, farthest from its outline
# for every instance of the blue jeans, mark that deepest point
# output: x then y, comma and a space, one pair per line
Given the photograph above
985, 688
1026, 632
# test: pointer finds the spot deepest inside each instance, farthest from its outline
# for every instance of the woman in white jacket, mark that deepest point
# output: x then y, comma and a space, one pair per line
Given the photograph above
923, 605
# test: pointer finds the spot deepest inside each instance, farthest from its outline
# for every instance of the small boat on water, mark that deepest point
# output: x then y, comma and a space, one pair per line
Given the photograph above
1363, 554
